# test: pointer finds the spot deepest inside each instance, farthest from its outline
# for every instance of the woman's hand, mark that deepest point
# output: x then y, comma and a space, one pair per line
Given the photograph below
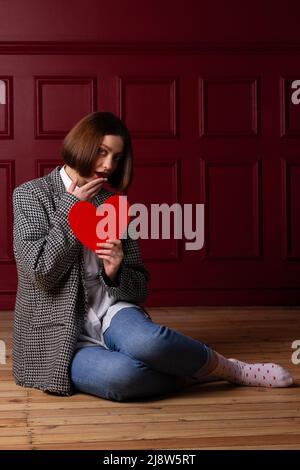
87, 191
111, 252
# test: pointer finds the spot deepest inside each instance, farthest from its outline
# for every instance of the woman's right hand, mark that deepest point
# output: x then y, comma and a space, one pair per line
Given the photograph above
88, 191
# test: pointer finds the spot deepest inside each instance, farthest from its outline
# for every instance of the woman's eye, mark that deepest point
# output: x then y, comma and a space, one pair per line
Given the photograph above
103, 151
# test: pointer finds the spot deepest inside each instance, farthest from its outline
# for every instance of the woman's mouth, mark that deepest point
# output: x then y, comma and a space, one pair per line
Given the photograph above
100, 174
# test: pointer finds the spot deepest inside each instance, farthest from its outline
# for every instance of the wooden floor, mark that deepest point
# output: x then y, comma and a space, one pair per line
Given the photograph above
205, 416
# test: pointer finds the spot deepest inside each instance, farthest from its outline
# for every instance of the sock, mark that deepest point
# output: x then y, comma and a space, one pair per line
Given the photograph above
256, 375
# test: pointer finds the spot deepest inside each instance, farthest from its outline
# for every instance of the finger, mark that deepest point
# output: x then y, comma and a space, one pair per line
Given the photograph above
107, 258
111, 242
95, 182
94, 190
104, 252
105, 245
115, 241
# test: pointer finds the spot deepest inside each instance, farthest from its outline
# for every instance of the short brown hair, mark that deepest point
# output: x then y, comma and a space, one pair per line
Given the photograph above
80, 147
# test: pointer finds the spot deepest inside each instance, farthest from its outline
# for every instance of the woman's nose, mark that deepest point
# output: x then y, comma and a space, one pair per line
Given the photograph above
107, 164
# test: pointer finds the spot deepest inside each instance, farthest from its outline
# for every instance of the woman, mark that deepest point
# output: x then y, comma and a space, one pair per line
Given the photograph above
79, 323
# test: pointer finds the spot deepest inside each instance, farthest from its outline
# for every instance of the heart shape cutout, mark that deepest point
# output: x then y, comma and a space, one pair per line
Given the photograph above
92, 225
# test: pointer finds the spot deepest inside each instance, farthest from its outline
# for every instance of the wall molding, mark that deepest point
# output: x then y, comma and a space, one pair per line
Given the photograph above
138, 47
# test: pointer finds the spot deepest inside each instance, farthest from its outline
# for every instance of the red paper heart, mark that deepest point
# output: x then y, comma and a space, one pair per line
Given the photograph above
93, 225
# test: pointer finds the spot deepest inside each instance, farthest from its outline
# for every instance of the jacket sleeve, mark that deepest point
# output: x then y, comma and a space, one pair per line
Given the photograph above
42, 250
131, 284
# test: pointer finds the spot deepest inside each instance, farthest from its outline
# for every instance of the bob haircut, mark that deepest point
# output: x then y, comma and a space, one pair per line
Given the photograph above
80, 147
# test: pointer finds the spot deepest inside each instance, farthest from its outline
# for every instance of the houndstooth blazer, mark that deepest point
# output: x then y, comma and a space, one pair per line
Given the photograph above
51, 298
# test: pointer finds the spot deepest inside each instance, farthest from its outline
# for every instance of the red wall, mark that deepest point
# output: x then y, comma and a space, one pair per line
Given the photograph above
205, 88
149, 20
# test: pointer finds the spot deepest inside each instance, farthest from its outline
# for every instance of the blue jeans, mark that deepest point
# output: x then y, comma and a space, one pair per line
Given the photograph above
144, 359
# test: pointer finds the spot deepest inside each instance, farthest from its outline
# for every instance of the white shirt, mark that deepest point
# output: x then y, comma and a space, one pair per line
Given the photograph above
102, 307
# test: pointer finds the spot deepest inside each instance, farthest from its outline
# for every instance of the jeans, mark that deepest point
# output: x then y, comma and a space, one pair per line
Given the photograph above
144, 359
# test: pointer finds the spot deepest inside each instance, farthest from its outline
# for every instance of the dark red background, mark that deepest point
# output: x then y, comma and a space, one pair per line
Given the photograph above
204, 88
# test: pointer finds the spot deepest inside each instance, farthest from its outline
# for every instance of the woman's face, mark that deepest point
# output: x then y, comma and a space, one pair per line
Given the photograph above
110, 153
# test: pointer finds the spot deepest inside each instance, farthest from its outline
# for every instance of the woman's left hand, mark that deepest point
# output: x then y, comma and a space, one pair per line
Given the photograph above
111, 252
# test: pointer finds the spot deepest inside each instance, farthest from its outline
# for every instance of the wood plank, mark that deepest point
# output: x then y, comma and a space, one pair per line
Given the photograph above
204, 410
13, 418
15, 442
158, 418
223, 443
145, 431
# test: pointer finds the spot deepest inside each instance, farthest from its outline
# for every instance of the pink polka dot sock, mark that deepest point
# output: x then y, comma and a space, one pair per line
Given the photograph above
256, 375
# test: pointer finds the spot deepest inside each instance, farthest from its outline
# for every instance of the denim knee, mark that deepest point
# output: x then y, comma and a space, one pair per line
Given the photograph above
124, 383
160, 347
118, 379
